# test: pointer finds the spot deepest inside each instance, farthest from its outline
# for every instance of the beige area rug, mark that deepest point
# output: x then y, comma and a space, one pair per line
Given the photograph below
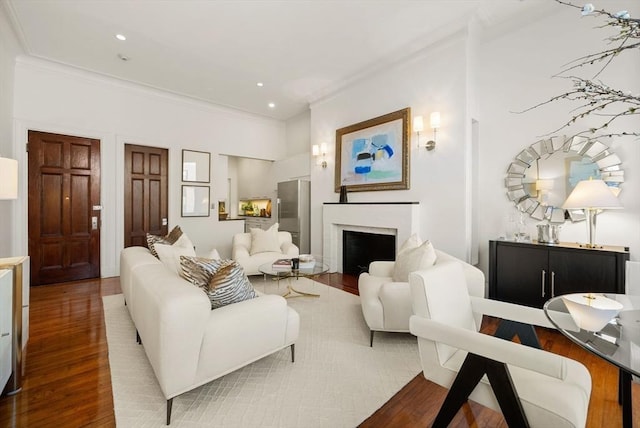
337, 380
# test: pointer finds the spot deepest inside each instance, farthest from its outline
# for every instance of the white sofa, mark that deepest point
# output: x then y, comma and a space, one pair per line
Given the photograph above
186, 342
241, 252
386, 305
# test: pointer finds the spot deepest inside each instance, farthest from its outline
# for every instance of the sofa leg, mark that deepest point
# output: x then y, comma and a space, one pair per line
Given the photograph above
169, 404
371, 339
293, 352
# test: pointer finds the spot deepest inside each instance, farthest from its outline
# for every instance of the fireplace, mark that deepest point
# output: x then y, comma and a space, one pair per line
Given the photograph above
397, 219
361, 248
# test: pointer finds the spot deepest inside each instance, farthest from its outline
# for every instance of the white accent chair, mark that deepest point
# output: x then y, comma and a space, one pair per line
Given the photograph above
386, 305
241, 252
528, 385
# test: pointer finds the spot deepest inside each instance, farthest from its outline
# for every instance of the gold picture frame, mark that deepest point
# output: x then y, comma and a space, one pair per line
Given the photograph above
374, 154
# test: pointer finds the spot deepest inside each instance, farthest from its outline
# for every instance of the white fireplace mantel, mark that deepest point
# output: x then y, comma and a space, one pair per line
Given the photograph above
399, 219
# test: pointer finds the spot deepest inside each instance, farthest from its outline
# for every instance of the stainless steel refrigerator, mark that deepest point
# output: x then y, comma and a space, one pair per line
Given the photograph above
294, 202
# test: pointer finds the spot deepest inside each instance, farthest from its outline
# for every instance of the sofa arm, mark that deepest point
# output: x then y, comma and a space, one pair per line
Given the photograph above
490, 347
381, 268
289, 249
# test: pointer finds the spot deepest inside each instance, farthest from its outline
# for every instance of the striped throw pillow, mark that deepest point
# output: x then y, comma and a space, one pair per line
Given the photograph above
224, 281
229, 285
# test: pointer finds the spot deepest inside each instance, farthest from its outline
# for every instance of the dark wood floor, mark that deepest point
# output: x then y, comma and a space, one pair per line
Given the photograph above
67, 381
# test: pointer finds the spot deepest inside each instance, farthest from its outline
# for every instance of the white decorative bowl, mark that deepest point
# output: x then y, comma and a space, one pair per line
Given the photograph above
591, 311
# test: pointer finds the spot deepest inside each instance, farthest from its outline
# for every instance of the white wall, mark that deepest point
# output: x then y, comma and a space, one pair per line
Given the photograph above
9, 49
58, 99
515, 70
433, 80
484, 75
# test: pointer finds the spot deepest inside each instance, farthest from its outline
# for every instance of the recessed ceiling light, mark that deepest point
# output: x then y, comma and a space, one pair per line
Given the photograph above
272, 105
121, 37
123, 57
260, 84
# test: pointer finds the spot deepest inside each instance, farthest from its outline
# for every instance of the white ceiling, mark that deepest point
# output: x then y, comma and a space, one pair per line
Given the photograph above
217, 51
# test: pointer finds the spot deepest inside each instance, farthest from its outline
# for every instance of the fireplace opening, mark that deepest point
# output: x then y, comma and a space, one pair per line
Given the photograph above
361, 248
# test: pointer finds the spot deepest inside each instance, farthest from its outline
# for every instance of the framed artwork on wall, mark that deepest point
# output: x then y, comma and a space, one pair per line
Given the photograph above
374, 154
196, 166
195, 201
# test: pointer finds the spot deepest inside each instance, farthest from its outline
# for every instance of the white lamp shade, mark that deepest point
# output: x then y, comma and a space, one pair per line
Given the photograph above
591, 311
592, 194
418, 124
8, 178
435, 119
323, 148
315, 150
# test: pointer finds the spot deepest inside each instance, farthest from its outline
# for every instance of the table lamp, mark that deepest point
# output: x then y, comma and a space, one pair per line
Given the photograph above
8, 178
591, 196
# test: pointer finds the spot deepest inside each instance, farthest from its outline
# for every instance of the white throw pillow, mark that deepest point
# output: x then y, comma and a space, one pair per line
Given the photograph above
413, 241
213, 255
263, 241
413, 259
184, 241
169, 255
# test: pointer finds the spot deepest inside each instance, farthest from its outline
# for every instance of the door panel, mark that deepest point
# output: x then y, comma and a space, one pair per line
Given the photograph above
64, 185
521, 275
146, 190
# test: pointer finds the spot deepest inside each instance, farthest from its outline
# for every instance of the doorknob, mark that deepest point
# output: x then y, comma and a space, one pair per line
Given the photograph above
164, 222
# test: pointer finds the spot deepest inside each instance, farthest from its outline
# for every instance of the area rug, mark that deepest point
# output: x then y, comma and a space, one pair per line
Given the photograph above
337, 380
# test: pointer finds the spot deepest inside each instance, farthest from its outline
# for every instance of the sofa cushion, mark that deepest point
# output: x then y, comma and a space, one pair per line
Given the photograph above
170, 239
413, 259
229, 284
199, 270
224, 281
169, 255
263, 241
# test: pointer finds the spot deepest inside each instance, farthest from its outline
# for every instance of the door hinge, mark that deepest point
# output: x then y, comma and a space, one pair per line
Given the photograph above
27, 145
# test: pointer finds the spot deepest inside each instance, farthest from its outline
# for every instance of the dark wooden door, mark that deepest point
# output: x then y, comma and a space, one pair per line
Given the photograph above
145, 193
64, 207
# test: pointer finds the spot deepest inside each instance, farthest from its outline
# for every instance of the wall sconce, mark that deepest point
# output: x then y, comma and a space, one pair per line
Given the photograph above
318, 151
8, 178
418, 126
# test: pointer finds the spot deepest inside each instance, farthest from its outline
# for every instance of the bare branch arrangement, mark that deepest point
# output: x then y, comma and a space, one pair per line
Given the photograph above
594, 97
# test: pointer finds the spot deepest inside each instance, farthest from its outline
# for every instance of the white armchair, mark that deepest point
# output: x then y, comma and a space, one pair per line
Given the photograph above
386, 305
241, 252
531, 387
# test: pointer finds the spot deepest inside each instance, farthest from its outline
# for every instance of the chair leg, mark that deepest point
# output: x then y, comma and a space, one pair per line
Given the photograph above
508, 329
371, 339
471, 372
293, 352
138, 340
169, 405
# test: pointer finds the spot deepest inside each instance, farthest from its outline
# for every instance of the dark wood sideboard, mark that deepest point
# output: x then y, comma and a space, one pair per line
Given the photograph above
529, 273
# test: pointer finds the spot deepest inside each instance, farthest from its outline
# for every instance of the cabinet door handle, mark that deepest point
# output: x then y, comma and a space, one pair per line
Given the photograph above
553, 284
5, 334
544, 273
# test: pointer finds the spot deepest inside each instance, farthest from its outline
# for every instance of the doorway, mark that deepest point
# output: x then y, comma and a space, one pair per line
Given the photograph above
64, 207
145, 193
